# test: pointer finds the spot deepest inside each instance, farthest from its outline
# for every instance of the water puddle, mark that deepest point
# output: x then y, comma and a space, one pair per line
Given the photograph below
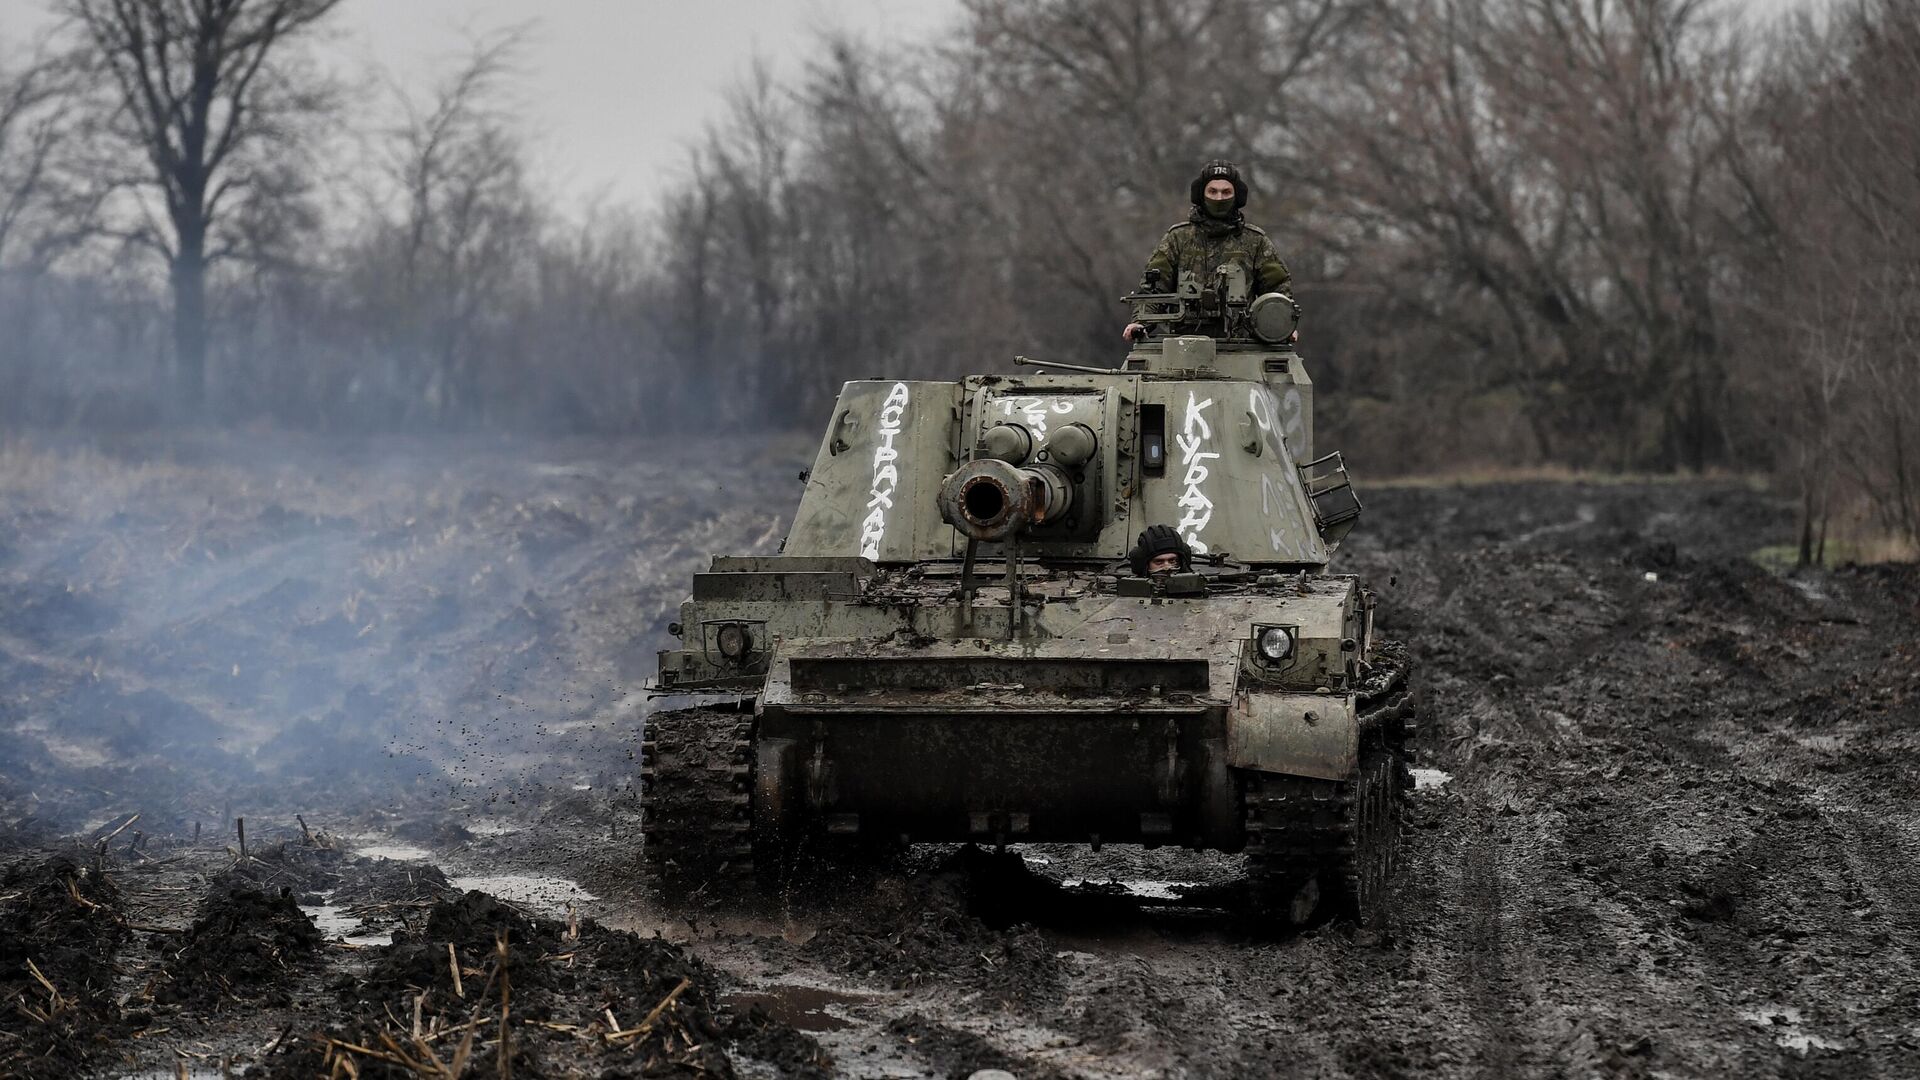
1783, 1022
493, 827
1143, 888
1823, 743
804, 1007
335, 924
396, 852
1809, 588
547, 895
1428, 779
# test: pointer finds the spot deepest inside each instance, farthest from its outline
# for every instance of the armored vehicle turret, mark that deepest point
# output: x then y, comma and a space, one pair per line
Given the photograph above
952, 646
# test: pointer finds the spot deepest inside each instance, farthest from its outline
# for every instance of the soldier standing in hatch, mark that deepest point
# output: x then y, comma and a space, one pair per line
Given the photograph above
1216, 232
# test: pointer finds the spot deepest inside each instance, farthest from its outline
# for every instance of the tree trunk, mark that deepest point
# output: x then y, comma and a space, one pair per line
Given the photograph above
189, 280
1806, 523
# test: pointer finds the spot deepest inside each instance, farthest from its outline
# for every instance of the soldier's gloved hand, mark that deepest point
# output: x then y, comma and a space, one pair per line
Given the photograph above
1134, 331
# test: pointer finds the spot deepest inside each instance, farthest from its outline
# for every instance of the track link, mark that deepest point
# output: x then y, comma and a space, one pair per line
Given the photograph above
1311, 841
696, 813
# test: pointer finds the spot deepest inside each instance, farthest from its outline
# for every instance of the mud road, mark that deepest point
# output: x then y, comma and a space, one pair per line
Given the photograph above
1666, 825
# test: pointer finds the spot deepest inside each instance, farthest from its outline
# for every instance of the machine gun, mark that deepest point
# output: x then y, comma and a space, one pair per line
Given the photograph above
1221, 307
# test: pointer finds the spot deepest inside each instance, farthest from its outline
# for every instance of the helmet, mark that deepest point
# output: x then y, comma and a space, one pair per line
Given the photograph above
1218, 169
1158, 540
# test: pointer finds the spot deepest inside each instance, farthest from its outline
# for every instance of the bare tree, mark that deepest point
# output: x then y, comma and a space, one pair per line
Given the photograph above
1831, 179
463, 222
46, 211
37, 103
1100, 113
1594, 232
198, 91
1543, 182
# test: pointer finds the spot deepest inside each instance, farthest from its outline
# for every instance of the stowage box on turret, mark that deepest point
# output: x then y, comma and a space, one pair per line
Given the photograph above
953, 647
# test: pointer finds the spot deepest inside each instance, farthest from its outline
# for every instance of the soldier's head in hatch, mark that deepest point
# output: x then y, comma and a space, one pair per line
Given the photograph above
1218, 189
1160, 550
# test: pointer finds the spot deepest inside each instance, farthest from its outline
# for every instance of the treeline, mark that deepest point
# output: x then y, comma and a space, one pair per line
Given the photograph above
1609, 234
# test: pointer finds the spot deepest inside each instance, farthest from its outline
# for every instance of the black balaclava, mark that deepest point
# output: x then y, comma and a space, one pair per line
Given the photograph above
1218, 169
1158, 540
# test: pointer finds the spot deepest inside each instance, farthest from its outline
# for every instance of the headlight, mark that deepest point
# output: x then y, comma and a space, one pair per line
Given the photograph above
1275, 644
734, 641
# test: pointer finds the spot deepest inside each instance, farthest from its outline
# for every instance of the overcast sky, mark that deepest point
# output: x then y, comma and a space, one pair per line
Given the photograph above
613, 89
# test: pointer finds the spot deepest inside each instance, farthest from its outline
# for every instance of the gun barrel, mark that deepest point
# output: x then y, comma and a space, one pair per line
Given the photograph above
991, 500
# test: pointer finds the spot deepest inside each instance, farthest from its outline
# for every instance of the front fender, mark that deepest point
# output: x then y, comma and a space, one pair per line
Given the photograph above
1315, 735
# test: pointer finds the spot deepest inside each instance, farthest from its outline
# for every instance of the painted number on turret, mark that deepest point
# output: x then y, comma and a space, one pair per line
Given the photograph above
886, 476
1034, 411
1286, 528
1293, 416
1197, 508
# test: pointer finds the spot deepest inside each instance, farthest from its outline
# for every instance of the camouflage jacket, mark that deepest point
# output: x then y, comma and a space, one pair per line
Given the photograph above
1200, 244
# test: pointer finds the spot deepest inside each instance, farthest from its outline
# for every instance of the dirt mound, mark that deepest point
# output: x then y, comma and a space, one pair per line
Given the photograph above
432, 831
948, 926
636, 976
390, 881
475, 920
60, 928
64, 919
385, 891
242, 946
793, 1054
472, 926
305, 869
568, 986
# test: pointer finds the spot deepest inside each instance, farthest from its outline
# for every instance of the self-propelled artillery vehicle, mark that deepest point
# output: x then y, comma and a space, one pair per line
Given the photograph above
952, 645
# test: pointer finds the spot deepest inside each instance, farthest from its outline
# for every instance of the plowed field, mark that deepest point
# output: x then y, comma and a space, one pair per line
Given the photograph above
1666, 826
